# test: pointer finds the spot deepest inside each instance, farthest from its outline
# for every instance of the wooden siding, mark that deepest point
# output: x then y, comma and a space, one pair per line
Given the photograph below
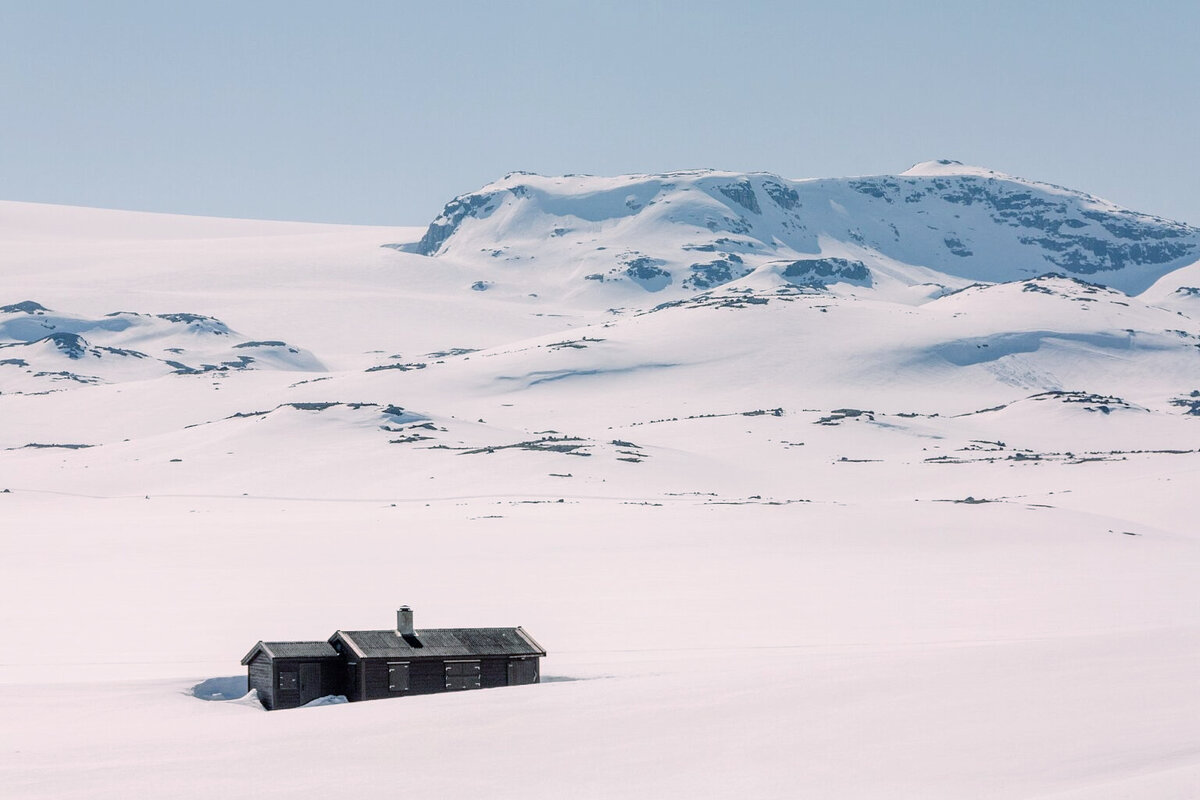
524, 670
352, 679
331, 681
424, 677
375, 676
350, 669
368, 678
427, 677
287, 696
333, 677
464, 675
494, 672
262, 677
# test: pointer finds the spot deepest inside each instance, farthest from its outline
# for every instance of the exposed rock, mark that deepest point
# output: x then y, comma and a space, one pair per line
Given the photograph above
783, 196
818, 272
956, 246
742, 193
458, 209
648, 273
72, 345
24, 307
715, 273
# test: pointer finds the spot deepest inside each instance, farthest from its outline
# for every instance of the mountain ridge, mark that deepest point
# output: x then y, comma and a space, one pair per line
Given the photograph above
689, 230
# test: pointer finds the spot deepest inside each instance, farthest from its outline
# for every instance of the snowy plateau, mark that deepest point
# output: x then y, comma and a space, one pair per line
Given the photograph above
880, 487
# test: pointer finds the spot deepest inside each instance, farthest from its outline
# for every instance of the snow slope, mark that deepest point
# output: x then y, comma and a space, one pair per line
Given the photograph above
921, 529
45, 347
695, 230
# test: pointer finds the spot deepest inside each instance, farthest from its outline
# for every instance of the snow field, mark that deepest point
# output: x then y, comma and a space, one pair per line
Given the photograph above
854, 543
890, 649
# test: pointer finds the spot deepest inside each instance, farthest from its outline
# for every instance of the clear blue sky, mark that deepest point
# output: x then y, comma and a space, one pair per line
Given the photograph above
380, 112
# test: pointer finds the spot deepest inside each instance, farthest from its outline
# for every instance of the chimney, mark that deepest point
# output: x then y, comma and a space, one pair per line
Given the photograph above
404, 621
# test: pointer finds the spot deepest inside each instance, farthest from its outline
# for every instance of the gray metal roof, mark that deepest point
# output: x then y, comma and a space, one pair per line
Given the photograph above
442, 643
292, 650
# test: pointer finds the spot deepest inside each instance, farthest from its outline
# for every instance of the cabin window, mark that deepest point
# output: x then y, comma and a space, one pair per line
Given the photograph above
288, 680
398, 676
463, 675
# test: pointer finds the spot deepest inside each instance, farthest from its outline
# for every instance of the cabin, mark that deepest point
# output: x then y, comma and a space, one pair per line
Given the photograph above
371, 665
290, 674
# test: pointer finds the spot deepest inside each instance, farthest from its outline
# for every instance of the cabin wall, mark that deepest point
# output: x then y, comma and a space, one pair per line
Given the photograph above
351, 667
333, 676
331, 680
524, 671
350, 670
375, 675
424, 677
493, 672
286, 698
369, 678
427, 676
262, 678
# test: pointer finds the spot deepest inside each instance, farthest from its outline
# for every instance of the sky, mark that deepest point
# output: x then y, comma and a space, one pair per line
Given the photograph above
381, 112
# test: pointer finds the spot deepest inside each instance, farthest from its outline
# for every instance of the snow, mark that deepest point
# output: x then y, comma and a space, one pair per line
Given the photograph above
947, 166
905, 537
963, 223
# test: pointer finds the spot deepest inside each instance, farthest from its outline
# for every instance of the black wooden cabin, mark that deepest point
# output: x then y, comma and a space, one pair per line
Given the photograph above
371, 665
290, 674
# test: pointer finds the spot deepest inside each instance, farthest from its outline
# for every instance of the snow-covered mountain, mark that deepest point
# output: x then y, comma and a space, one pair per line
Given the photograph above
789, 477
690, 231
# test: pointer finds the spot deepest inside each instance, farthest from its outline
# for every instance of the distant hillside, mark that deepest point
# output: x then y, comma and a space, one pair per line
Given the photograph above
685, 232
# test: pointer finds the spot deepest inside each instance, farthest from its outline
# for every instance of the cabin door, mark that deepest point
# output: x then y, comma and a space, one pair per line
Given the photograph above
522, 670
310, 682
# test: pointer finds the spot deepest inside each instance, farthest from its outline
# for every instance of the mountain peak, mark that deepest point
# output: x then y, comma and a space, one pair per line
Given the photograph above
947, 167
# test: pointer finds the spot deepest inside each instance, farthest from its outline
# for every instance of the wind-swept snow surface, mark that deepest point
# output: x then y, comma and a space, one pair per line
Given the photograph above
802, 502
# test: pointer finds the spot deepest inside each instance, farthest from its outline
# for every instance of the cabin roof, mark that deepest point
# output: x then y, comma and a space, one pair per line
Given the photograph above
442, 643
292, 650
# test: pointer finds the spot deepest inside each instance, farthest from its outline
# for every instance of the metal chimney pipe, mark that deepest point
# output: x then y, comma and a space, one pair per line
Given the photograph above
404, 621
